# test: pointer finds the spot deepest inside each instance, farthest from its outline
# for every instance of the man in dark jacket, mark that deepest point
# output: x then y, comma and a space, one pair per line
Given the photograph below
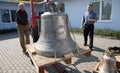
22, 26
89, 19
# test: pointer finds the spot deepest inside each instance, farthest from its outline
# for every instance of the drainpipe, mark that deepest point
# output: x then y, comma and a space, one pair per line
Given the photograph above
32, 13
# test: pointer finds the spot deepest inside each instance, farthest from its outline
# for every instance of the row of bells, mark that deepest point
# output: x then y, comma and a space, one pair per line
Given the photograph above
55, 39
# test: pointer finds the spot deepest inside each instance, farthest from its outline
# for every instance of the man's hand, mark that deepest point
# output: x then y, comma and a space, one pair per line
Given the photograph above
81, 27
92, 20
29, 26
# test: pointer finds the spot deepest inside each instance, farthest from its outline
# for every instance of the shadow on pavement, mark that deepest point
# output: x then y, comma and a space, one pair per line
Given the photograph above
91, 58
67, 69
85, 71
62, 68
98, 49
10, 35
84, 59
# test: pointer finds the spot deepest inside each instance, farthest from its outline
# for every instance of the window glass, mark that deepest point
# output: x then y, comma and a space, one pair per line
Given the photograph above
106, 9
5, 15
103, 9
96, 8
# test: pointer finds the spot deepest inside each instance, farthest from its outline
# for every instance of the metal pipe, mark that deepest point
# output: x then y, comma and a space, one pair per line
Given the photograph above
48, 1
32, 13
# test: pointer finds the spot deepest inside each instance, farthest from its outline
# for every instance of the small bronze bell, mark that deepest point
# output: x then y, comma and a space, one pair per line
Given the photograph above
108, 64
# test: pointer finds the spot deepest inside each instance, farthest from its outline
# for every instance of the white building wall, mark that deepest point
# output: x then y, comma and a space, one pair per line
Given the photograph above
11, 6
76, 8
116, 15
114, 24
14, 6
6, 25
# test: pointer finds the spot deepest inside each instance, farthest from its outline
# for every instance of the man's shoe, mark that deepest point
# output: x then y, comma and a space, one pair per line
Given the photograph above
24, 51
27, 54
91, 48
85, 44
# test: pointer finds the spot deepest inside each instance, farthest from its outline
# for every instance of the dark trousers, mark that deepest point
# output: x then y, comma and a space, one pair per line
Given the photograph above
89, 30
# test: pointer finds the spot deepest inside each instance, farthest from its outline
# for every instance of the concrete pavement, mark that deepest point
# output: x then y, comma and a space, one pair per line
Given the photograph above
12, 60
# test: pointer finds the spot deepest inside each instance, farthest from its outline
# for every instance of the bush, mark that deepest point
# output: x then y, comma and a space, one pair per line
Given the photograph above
76, 30
104, 32
107, 32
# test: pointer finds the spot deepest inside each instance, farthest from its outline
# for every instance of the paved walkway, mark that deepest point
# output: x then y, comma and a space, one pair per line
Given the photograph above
12, 60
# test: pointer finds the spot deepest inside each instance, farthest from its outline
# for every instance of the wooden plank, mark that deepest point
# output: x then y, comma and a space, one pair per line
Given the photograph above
117, 61
41, 70
117, 58
96, 67
32, 59
41, 61
118, 65
31, 49
68, 61
87, 52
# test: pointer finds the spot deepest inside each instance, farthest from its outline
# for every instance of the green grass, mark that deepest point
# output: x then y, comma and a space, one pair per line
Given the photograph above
104, 32
107, 32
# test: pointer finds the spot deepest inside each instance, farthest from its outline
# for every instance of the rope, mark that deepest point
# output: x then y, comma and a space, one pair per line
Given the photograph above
73, 34
54, 34
54, 38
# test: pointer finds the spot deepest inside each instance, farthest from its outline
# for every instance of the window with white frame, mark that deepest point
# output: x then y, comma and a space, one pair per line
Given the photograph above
13, 15
7, 15
103, 9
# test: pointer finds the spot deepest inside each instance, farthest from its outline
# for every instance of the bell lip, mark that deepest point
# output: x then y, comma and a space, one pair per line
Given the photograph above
51, 52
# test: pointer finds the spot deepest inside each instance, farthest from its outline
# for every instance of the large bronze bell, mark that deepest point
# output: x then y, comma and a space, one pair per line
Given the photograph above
55, 39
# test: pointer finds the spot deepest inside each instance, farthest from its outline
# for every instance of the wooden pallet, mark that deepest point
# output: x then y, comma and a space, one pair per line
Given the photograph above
118, 61
41, 62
